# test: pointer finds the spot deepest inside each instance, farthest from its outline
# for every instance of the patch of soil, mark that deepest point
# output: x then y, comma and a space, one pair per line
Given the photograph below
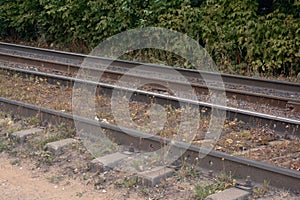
27, 183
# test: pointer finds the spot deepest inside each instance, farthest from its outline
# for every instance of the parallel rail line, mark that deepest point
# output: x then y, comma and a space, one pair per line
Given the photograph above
71, 64
237, 166
280, 125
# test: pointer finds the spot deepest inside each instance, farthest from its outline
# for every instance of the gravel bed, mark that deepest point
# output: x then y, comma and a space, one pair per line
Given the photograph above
258, 90
236, 136
63, 172
284, 153
252, 106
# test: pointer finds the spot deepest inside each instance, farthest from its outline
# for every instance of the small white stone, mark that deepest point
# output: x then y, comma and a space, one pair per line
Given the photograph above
141, 168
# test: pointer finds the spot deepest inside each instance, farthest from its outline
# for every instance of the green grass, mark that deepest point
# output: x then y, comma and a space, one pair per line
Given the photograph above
202, 190
127, 183
260, 191
55, 179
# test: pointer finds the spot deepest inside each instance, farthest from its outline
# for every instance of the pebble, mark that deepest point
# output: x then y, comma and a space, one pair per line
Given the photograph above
141, 168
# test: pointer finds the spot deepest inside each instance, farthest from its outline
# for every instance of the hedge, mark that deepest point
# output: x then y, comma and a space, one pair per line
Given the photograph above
243, 36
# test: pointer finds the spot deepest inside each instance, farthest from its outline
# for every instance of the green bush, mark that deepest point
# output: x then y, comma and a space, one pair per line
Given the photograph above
242, 41
61, 20
20, 18
239, 35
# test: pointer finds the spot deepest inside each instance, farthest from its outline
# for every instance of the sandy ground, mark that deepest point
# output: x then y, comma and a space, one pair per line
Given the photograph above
24, 183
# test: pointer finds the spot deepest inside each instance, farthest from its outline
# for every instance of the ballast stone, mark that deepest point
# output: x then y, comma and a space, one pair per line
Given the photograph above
58, 146
230, 194
24, 134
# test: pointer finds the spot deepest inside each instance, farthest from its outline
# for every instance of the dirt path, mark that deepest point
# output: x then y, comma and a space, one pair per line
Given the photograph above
21, 182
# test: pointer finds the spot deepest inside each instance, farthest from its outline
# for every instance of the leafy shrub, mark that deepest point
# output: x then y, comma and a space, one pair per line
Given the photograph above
243, 36
19, 17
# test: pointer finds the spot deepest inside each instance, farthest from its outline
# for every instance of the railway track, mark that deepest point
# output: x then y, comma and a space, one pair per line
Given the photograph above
277, 94
215, 161
240, 167
280, 125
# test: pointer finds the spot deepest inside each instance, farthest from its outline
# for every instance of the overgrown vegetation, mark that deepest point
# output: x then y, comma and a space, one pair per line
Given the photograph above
243, 36
260, 191
128, 182
221, 183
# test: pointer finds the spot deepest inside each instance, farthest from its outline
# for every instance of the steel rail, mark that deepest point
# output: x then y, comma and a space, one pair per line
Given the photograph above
227, 78
70, 67
219, 162
41, 51
280, 125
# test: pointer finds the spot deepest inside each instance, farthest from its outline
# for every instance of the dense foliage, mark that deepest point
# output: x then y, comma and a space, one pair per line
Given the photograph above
243, 36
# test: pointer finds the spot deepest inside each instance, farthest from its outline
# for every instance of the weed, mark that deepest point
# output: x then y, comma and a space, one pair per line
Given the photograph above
127, 182
156, 157
12, 130
15, 162
60, 132
55, 179
225, 178
192, 172
33, 120
79, 194
136, 165
85, 177
144, 191
245, 134
188, 171
221, 183
64, 130
202, 191
40, 144
5, 145
79, 147
260, 191
44, 156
